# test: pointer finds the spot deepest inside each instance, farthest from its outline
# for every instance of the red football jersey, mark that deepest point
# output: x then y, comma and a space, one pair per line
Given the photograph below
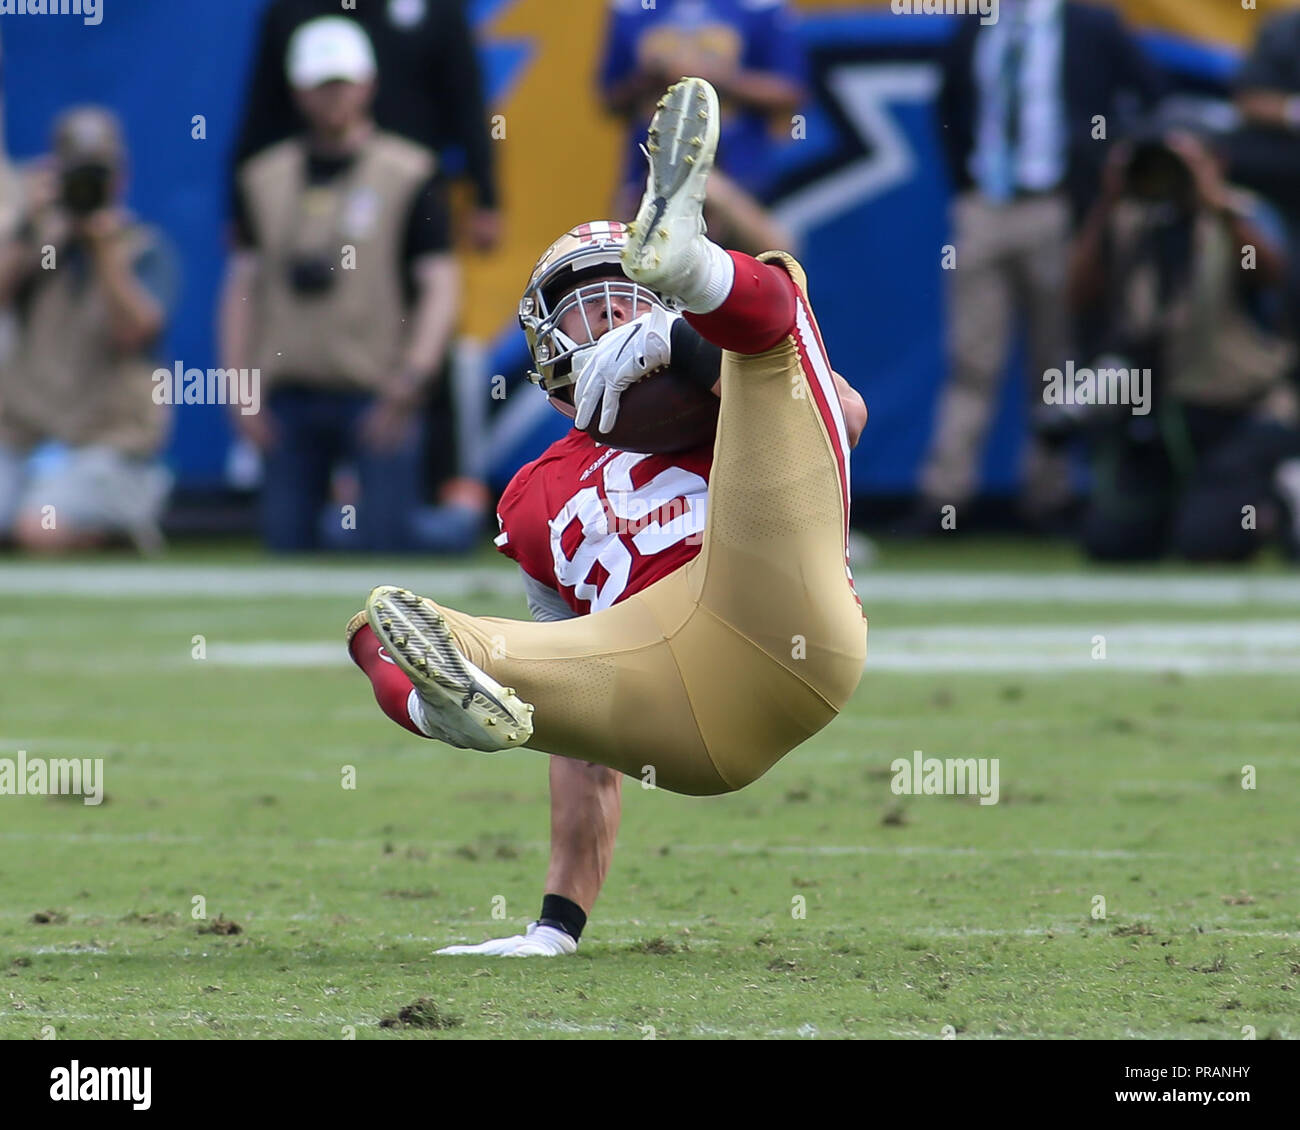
598, 524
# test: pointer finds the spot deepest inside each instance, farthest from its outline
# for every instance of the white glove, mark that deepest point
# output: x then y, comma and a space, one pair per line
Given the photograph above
539, 941
617, 361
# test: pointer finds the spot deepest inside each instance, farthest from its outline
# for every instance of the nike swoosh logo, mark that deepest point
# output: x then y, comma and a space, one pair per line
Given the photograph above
630, 339
661, 205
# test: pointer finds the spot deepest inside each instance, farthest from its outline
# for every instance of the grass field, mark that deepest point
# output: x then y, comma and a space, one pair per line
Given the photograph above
1120, 777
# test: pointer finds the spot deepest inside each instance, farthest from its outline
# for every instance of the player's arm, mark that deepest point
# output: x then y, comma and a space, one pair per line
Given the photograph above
235, 334
702, 360
586, 807
428, 257
236, 313
854, 407
437, 279
625, 355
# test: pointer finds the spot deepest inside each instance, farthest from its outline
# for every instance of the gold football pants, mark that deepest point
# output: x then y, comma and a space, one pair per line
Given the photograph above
712, 674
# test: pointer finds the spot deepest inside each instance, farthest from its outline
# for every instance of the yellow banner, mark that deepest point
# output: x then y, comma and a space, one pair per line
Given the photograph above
558, 153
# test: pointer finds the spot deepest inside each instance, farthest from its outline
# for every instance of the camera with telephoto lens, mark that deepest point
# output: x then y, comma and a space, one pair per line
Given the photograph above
311, 274
85, 188
1156, 174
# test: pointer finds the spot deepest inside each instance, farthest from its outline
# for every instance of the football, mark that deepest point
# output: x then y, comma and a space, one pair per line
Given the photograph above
663, 412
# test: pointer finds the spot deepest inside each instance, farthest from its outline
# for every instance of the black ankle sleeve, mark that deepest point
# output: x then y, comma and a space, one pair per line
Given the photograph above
562, 914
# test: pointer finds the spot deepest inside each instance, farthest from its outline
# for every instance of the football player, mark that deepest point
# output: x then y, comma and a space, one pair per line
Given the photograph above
702, 664
589, 526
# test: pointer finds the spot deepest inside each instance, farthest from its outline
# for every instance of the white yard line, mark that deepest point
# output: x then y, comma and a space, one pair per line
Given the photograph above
244, 582
738, 848
1188, 647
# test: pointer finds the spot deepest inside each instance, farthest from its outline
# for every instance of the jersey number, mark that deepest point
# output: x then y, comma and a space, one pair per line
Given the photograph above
676, 497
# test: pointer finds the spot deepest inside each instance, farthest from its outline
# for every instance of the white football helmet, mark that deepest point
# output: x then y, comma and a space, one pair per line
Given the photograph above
560, 282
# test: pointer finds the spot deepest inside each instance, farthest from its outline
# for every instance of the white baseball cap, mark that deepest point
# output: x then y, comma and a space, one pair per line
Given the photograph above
328, 49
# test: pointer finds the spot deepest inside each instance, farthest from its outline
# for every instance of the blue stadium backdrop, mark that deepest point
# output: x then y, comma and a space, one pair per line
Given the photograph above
865, 188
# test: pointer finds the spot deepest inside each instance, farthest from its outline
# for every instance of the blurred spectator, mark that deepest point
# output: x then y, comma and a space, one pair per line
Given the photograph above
1019, 108
430, 89
92, 287
343, 293
750, 51
1186, 271
1268, 98
11, 197
1265, 152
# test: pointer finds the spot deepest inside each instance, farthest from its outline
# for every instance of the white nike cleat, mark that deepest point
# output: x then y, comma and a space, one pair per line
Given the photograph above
458, 703
540, 941
668, 248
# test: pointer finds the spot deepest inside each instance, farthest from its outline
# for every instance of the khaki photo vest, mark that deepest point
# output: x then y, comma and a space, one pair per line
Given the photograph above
351, 336
1215, 353
68, 381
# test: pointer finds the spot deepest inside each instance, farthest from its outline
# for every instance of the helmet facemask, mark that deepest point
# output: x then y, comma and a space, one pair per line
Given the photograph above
581, 272
556, 350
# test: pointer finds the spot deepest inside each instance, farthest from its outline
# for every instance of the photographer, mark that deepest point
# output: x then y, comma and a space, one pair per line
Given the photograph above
1183, 273
1018, 111
342, 292
90, 286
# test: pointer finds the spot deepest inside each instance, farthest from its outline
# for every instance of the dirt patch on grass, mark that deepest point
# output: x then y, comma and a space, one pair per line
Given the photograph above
1133, 930
657, 946
424, 1013
221, 925
894, 817
151, 918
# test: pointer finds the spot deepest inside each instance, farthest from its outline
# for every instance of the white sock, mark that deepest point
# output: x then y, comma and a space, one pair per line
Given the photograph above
415, 711
708, 282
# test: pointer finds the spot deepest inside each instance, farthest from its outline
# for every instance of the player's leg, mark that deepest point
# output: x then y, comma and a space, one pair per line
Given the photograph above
1040, 264
608, 686
297, 468
773, 566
